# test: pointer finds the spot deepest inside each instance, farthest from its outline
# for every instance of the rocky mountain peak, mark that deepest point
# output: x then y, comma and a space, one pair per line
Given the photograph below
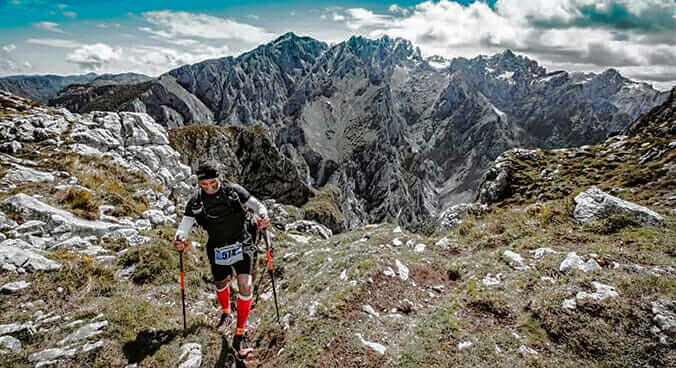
385, 47
611, 77
290, 41
507, 61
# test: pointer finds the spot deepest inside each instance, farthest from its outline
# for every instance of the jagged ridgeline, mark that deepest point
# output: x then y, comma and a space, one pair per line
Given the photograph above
402, 137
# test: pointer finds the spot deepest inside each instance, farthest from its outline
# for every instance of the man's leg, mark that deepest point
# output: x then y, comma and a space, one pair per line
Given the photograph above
244, 270
222, 276
223, 294
243, 301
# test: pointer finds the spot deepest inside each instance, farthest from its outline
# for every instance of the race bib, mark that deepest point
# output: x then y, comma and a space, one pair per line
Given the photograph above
230, 254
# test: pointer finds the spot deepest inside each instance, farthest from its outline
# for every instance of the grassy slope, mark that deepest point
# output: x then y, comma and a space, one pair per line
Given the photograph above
145, 320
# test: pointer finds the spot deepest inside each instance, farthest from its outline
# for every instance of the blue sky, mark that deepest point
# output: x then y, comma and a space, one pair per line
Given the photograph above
636, 37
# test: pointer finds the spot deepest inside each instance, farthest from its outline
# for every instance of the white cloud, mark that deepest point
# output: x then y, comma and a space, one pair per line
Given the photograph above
49, 26
70, 14
253, 16
55, 42
94, 57
183, 24
9, 66
338, 18
592, 34
293, 13
184, 42
567, 11
323, 17
9, 48
102, 25
155, 60
394, 8
360, 17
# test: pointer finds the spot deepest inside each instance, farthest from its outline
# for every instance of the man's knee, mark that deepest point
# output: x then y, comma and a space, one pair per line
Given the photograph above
222, 283
244, 284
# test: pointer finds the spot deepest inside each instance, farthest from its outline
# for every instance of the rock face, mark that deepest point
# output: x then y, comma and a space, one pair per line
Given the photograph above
550, 174
403, 137
131, 144
170, 104
248, 157
594, 204
133, 141
658, 121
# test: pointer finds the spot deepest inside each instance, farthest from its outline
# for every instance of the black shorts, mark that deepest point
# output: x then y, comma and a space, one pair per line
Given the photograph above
243, 267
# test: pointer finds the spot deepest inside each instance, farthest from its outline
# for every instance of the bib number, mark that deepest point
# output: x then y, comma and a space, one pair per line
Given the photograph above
228, 255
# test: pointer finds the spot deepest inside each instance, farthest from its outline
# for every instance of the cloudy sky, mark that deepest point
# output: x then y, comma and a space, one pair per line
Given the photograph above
637, 37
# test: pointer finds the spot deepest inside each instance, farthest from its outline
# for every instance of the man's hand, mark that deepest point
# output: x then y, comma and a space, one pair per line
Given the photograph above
180, 245
262, 222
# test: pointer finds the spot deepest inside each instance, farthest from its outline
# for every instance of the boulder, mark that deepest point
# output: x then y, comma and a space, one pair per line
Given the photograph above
13, 287
594, 204
84, 332
6, 223
602, 292
17, 260
192, 353
453, 216
57, 220
575, 262
312, 227
664, 316
22, 174
11, 343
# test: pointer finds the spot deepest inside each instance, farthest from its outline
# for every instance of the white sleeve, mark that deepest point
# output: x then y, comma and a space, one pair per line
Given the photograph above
184, 228
258, 207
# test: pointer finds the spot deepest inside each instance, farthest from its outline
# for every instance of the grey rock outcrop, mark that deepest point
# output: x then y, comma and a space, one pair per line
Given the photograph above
248, 157
594, 204
84, 333
11, 343
57, 220
21, 174
453, 216
170, 104
13, 287
192, 353
312, 227
664, 316
575, 262
24, 260
495, 183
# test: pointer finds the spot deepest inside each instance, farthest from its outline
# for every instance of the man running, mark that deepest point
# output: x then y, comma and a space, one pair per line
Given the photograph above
221, 209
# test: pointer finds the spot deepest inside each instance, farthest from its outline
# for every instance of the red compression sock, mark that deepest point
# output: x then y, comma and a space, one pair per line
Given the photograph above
243, 309
224, 298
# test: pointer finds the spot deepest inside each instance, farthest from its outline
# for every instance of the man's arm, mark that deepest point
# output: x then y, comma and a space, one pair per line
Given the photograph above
258, 207
250, 201
184, 228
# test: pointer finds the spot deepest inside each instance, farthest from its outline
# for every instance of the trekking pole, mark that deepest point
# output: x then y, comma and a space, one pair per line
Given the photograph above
180, 262
270, 270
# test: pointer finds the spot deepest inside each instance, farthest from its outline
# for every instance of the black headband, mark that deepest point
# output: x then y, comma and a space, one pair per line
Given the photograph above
207, 174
